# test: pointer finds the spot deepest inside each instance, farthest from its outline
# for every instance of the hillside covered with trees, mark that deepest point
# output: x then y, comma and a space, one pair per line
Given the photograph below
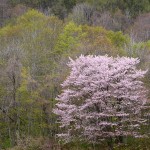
37, 40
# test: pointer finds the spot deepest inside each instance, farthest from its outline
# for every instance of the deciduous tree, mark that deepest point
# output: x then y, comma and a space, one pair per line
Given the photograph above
102, 99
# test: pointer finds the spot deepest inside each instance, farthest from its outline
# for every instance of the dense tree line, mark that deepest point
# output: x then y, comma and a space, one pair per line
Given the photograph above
134, 7
62, 8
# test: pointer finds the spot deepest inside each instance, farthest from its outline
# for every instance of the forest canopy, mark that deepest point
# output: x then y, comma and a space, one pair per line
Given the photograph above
38, 37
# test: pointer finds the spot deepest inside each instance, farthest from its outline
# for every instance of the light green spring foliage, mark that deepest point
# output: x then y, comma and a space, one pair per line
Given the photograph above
69, 39
23, 94
118, 38
98, 40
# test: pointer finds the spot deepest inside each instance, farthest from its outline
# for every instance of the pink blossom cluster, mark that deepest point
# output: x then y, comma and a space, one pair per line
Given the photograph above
101, 98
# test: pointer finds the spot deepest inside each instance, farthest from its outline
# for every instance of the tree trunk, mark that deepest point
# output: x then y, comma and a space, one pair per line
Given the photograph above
110, 144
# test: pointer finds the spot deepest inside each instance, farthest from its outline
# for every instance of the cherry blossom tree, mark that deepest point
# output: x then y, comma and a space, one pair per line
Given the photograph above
102, 99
